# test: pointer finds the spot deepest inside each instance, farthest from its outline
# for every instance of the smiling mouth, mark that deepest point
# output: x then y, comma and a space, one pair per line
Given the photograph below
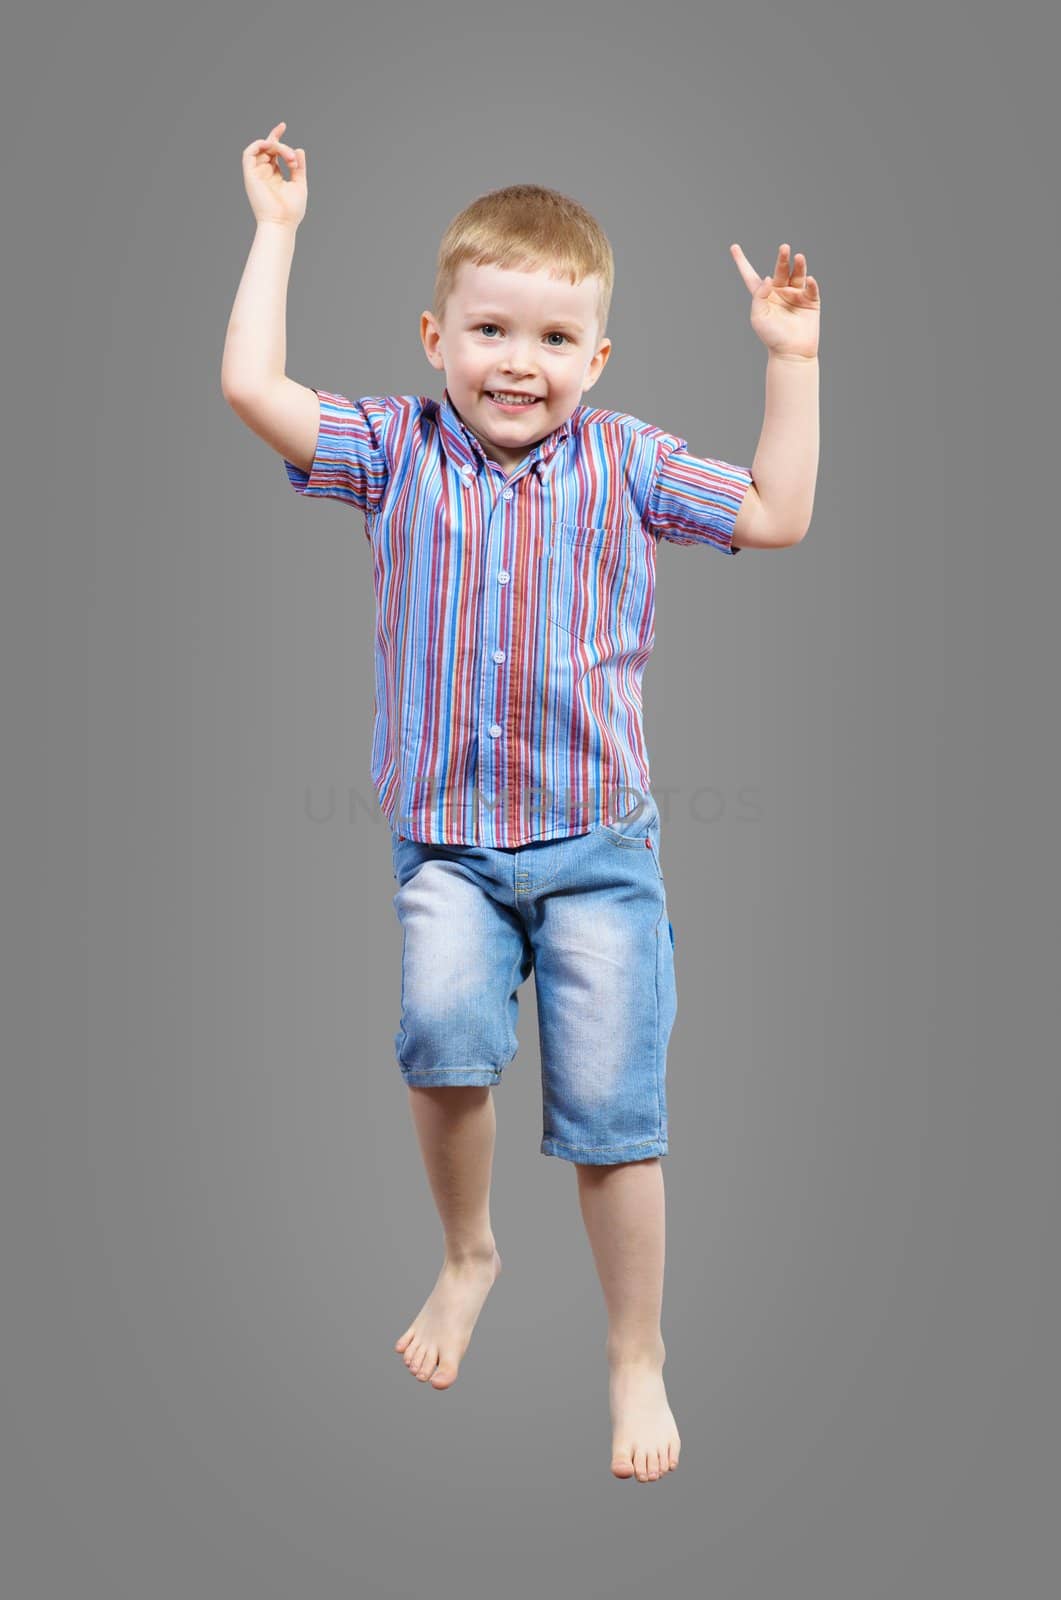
514, 401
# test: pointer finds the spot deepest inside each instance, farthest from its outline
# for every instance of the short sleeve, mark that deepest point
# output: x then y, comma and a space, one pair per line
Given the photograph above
350, 463
694, 499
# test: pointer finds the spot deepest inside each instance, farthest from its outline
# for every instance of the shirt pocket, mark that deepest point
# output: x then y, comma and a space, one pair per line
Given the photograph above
599, 583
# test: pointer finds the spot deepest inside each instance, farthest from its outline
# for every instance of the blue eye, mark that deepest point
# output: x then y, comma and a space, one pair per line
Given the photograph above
556, 334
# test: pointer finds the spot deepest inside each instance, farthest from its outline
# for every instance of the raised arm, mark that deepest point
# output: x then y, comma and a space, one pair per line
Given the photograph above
253, 380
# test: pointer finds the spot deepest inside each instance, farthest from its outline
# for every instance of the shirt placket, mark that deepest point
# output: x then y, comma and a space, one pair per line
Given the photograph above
501, 818
495, 676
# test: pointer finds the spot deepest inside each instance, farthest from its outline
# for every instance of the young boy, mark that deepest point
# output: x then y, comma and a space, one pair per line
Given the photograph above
513, 531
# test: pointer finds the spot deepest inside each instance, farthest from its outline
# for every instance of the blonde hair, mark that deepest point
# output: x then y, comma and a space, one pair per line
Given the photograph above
526, 227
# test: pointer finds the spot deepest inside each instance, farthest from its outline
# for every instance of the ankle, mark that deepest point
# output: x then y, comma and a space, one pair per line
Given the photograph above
477, 1252
636, 1351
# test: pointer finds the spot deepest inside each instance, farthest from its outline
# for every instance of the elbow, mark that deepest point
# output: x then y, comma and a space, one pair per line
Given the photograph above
238, 397
230, 390
236, 387
797, 535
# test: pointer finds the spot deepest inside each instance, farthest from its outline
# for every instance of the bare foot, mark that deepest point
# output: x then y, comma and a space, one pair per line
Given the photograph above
645, 1439
436, 1339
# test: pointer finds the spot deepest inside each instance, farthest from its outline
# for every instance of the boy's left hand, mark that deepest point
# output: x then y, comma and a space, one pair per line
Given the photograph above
785, 308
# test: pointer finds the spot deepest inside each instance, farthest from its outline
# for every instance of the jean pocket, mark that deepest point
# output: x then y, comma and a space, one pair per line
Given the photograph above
403, 851
638, 829
638, 825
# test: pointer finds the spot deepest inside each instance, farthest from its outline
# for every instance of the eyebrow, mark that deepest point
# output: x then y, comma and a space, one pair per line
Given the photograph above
560, 322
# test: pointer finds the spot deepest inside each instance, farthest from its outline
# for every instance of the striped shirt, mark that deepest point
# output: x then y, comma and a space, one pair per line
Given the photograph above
514, 611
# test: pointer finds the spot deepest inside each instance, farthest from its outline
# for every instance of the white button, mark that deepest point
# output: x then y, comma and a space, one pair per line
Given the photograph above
499, 655
495, 730
506, 494
467, 473
502, 577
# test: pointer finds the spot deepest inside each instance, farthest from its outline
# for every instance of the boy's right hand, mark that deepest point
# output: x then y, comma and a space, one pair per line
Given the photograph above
273, 197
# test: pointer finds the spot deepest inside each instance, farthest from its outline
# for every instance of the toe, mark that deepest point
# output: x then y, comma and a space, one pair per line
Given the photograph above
622, 1465
445, 1375
400, 1344
652, 1463
640, 1468
674, 1449
428, 1364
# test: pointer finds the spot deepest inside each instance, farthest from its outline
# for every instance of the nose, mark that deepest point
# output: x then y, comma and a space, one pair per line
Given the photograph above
518, 359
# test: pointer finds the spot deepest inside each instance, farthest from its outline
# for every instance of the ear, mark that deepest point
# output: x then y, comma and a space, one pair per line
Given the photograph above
430, 334
597, 365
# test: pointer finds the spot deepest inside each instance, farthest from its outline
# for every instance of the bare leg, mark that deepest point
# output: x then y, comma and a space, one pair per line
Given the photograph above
623, 1208
456, 1127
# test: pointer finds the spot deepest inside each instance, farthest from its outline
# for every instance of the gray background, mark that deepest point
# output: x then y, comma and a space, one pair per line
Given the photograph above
214, 1218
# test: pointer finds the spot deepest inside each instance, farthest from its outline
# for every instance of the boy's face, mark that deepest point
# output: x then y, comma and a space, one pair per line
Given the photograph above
519, 332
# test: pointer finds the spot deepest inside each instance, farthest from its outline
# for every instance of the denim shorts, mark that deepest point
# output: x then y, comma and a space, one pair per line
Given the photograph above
588, 915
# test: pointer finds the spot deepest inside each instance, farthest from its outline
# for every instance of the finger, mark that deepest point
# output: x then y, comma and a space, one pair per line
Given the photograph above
263, 154
270, 136
272, 140
745, 268
285, 150
258, 147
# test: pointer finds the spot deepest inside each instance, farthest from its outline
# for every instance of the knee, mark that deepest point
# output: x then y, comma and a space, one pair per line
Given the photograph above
452, 1041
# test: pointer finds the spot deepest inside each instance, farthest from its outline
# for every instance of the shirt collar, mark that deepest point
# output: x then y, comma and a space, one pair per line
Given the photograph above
464, 449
